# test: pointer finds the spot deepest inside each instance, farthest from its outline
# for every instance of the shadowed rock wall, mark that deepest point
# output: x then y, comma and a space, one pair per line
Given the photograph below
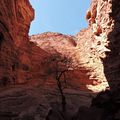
112, 61
17, 54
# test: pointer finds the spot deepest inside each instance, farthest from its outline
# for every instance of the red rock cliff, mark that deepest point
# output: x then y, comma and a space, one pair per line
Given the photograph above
94, 41
103, 18
102, 41
17, 54
93, 50
14, 26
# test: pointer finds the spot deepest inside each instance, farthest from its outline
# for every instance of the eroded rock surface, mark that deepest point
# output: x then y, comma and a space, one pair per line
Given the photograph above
56, 43
95, 64
22, 60
28, 103
14, 27
19, 58
89, 49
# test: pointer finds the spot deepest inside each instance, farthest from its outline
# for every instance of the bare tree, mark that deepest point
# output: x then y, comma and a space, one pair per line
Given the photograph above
60, 65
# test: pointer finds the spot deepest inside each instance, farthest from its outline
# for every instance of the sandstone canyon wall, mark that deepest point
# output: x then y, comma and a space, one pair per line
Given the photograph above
95, 50
112, 63
103, 18
14, 27
94, 41
17, 55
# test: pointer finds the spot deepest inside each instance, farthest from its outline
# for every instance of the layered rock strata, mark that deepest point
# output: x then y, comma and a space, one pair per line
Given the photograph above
14, 27
18, 57
93, 50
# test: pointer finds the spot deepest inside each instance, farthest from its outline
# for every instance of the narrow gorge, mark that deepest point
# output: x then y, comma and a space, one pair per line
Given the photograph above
90, 61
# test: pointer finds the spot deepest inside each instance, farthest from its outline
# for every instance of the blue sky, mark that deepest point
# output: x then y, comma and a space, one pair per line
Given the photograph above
64, 16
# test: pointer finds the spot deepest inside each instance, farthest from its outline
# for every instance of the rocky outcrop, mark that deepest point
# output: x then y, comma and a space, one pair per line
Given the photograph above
103, 18
94, 42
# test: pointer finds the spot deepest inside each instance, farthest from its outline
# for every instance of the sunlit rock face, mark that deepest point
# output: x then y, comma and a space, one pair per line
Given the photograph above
103, 35
94, 42
65, 45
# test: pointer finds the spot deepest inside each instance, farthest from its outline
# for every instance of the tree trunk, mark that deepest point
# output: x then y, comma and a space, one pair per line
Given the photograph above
62, 95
